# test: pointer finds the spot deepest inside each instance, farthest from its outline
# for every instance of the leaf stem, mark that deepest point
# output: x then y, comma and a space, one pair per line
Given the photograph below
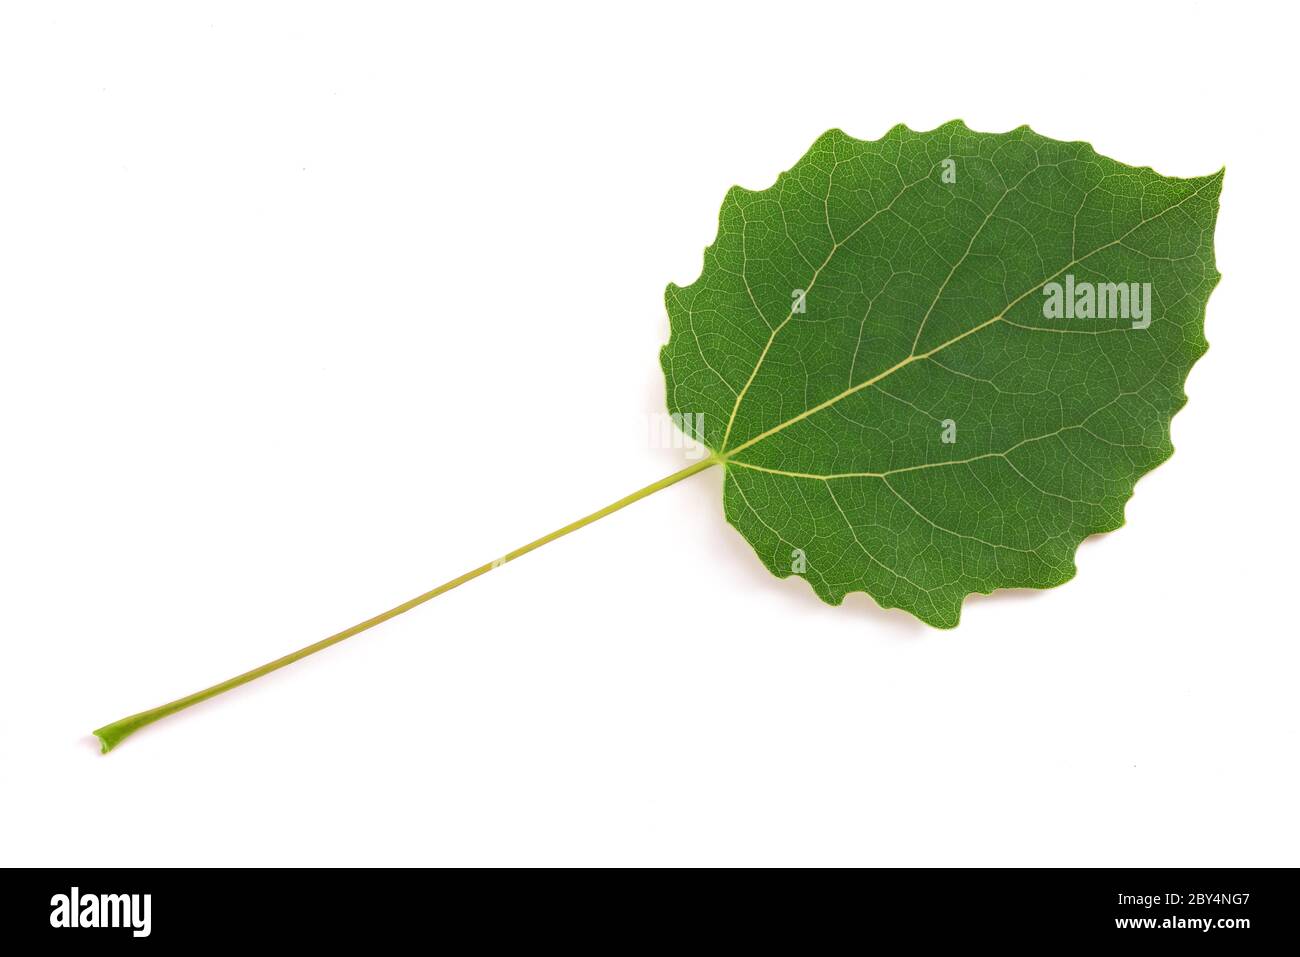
111, 735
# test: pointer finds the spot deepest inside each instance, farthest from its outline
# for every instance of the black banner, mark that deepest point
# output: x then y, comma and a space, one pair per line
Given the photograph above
142, 908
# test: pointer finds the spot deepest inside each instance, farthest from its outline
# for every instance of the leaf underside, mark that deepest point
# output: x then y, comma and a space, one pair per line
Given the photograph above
915, 426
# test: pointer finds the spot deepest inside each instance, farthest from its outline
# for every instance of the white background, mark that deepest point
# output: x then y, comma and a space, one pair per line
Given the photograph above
307, 308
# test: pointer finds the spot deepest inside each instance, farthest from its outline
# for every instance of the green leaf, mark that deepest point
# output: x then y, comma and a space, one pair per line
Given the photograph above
898, 410
881, 356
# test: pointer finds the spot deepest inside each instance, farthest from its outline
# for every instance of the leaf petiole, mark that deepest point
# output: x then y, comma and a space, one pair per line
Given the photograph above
111, 735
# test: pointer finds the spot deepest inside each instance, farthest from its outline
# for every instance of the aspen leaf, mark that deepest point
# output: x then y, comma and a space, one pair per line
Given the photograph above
929, 365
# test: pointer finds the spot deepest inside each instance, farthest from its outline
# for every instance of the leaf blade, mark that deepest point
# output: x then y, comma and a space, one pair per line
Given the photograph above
921, 307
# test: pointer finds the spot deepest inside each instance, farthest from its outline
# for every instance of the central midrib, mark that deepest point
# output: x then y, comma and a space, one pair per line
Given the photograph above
724, 454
